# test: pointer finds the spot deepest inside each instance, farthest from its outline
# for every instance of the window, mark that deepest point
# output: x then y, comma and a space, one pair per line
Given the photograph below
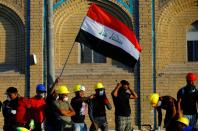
90, 56
192, 42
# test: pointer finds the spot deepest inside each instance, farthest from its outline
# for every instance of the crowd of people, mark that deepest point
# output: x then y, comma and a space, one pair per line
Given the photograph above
52, 110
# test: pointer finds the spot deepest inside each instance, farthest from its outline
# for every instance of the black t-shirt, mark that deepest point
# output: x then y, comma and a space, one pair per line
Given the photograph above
169, 104
97, 107
121, 103
79, 107
189, 99
9, 118
50, 113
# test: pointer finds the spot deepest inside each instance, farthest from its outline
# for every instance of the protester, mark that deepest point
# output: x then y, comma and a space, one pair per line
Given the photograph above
23, 113
9, 108
97, 111
38, 106
15, 110
188, 95
79, 104
121, 95
63, 110
50, 114
167, 103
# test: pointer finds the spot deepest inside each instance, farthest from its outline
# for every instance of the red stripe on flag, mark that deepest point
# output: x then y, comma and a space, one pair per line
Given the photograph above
101, 16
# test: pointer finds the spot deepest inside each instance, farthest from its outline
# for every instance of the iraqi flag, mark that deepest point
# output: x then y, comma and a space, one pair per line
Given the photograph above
107, 35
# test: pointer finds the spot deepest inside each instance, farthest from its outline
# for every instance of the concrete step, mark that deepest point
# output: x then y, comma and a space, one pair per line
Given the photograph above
180, 68
8, 71
94, 69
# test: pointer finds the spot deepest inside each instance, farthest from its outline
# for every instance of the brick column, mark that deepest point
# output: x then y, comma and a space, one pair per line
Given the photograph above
146, 61
36, 23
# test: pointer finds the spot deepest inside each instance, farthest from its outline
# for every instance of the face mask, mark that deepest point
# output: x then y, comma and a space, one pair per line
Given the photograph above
42, 95
65, 98
57, 97
101, 93
159, 103
128, 91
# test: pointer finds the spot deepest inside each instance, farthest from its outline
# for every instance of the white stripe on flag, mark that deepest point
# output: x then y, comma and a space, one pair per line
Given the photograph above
109, 35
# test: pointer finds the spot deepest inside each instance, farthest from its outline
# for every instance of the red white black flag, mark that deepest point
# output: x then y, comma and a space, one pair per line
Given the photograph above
107, 35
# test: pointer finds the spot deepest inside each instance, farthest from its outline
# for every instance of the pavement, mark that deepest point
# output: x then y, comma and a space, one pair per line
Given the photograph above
113, 130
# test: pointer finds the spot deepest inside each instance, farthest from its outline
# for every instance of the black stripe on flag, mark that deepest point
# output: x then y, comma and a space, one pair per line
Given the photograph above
105, 48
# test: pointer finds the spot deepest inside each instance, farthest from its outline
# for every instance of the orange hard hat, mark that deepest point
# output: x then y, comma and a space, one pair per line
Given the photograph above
191, 76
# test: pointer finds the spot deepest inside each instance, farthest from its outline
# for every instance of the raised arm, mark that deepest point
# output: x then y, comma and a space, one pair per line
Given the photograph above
52, 89
159, 116
133, 94
116, 89
107, 103
179, 110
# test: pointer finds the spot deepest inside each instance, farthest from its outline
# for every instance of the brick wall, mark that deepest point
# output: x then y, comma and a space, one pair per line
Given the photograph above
36, 32
173, 18
146, 60
172, 65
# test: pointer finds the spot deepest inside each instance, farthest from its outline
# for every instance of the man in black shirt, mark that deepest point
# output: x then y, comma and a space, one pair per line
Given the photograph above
188, 98
79, 105
167, 103
9, 108
121, 95
51, 122
97, 111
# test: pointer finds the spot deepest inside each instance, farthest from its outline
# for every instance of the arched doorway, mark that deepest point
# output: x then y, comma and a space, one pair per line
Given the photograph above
12, 47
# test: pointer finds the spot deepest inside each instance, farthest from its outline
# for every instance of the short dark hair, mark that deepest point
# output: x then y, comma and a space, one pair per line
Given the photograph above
11, 90
124, 82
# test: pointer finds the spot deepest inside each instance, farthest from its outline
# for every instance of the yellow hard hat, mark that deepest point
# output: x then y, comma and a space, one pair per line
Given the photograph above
22, 129
154, 98
99, 85
63, 90
79, 88
184, 120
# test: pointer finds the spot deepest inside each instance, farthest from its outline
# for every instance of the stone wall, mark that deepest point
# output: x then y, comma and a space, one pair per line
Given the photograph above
173, 18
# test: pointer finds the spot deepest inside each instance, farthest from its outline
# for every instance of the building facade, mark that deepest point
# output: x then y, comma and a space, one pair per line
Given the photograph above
175, 48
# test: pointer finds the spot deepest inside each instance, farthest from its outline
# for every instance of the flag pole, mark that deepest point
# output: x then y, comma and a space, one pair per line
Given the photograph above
154, 56
67, 60
50, 45
27, 69
137, 68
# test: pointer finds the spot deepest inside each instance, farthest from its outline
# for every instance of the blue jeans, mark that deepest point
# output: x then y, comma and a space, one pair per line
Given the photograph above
192, 119
79, 127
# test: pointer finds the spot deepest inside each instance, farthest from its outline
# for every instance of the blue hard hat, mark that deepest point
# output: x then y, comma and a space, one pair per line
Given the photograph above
40, 87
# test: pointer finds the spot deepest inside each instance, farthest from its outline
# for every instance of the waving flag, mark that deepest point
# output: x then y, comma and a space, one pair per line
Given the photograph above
107, 35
